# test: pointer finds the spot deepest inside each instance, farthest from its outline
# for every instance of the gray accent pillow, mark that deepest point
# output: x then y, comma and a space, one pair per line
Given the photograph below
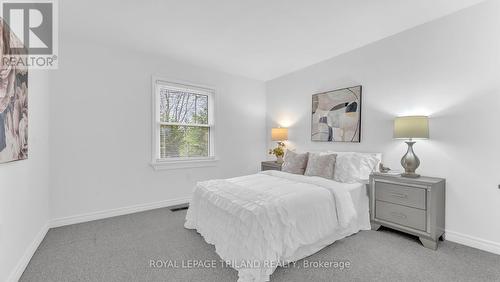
321, 165
294, 162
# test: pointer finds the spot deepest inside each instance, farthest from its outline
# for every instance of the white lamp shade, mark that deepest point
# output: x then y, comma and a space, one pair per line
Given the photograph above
279, 134
411, 127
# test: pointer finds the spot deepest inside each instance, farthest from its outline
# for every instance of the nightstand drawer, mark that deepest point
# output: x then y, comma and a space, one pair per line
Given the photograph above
410, 217
399, 194
270, 166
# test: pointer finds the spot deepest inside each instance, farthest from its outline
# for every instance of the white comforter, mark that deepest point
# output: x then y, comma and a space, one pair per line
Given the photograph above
260, 221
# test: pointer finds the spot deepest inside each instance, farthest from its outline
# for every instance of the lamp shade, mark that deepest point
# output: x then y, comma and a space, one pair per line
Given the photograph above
279, 134
411, 127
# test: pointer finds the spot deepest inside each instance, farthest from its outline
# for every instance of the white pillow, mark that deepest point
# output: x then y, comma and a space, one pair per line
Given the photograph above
353, 167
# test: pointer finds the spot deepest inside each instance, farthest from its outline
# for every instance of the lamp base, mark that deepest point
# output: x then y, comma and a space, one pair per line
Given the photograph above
410, 162
410, 175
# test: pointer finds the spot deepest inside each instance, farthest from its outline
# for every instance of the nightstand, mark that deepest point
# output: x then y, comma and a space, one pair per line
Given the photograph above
270, 165
411, 205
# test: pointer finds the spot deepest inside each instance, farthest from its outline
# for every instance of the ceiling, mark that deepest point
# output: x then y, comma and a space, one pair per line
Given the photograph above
260, 39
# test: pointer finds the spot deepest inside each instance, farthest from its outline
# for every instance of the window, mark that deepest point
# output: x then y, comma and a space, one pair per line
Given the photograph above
183, 125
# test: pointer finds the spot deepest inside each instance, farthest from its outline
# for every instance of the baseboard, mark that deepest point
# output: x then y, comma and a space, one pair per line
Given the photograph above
28, 254
116, 212
474, 242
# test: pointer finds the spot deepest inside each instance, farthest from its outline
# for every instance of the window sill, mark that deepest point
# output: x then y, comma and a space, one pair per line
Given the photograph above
180, 164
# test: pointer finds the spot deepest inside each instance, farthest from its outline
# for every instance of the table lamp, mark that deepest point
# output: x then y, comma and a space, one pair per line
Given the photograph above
411, 127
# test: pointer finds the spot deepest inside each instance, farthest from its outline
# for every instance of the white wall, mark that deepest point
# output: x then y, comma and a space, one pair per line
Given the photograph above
101, 129
24, 187
448, 69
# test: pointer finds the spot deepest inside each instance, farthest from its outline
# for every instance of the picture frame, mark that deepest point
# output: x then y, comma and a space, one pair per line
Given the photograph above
336, 115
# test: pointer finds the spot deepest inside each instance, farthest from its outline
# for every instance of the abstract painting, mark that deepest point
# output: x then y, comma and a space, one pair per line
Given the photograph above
13, 100
336, 115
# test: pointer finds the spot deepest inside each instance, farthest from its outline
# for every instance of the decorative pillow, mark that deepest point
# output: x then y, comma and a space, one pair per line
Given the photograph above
294, 162
321, 165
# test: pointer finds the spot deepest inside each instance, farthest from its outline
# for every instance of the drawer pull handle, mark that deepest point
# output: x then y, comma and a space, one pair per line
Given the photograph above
398, 214
399, 195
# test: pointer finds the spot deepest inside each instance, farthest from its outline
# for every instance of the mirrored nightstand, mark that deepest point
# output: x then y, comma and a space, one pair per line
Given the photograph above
412, 205
270, 165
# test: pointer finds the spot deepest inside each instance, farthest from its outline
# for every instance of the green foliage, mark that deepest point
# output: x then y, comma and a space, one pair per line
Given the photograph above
196, 138
184, 141
279, 151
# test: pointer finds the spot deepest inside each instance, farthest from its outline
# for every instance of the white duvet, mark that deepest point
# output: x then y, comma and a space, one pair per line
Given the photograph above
260, 221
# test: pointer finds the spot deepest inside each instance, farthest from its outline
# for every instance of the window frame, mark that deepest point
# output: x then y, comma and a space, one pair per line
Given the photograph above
159, 163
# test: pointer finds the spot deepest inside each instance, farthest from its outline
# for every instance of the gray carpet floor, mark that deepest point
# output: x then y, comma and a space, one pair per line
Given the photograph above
120, 249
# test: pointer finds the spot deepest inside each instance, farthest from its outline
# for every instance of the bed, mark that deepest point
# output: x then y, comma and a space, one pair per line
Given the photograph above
261, 221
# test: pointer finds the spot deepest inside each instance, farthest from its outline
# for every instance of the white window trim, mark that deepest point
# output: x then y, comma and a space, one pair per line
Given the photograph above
179, 163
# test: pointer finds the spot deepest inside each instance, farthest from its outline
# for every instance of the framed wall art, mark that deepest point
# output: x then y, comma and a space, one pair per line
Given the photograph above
336, 115
13, 99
